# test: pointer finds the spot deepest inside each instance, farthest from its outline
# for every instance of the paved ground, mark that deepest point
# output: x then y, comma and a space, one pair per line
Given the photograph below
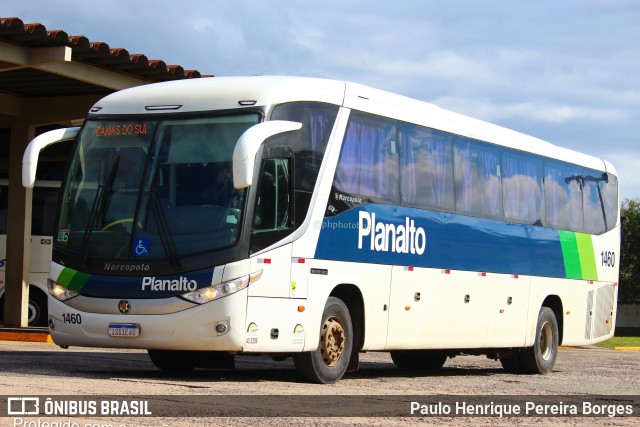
46, 370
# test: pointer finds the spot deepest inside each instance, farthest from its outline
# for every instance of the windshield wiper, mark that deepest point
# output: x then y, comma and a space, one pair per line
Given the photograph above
98, 207
166, 238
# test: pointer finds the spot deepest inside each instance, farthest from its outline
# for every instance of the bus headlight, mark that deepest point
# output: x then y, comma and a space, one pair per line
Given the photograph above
60, 292
210, 293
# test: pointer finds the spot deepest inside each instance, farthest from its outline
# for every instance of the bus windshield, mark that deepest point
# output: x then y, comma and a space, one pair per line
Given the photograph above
152, 189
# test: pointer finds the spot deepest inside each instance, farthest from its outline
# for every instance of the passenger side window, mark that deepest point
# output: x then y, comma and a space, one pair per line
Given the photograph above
563, 191
368, 165
610, 196
45, 201
477, 179
522, 187
426, 158
594, 201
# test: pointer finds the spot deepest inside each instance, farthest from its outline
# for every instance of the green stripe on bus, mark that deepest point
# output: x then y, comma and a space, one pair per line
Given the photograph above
570, 254
587, 257
65, 276
72, 279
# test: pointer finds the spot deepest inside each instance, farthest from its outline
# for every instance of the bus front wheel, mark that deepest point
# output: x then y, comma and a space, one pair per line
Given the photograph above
329, 362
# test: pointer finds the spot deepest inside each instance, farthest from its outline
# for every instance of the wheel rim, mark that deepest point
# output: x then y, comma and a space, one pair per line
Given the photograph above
546, 341
332, 340
33, 313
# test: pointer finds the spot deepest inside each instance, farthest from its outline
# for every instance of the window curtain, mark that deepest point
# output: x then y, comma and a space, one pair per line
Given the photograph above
477, 180
427, 160
366, 165
521, 180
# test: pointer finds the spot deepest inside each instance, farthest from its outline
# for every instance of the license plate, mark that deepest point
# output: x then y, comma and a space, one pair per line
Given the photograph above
124, 330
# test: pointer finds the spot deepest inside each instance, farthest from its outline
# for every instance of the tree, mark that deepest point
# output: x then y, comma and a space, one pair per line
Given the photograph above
630, 252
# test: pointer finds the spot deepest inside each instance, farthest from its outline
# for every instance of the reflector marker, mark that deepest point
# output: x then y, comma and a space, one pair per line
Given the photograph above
264, 260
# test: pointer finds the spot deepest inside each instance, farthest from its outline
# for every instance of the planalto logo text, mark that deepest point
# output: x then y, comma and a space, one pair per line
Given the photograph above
183, 284
400, 238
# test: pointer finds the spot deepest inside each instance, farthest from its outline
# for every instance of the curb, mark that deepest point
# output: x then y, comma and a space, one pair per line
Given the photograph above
25, 335
627, 348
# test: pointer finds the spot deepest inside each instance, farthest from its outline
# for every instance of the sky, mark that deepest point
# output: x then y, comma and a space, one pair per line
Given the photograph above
566, 71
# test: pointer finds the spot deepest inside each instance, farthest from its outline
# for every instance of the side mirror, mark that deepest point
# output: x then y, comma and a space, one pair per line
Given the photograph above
37, 144
244, 154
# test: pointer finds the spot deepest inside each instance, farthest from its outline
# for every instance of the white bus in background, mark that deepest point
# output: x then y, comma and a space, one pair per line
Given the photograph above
320, 219
44, 204
45, 200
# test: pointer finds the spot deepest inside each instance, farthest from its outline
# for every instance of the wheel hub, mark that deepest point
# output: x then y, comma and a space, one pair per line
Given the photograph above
546, 341
332, 340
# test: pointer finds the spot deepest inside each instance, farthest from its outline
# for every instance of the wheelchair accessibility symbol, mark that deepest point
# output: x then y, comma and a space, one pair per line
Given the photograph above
140, 247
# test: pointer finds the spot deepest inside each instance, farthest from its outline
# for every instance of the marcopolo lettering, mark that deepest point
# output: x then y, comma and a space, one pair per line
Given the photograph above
183, 284
125, 267
400, 238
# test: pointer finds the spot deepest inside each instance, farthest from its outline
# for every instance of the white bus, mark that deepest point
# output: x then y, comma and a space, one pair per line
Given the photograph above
45, 200
320, 219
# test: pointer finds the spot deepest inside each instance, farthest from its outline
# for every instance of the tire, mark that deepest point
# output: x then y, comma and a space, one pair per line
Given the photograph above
541, 358
418, 360
38, 314
174, 360
329, 362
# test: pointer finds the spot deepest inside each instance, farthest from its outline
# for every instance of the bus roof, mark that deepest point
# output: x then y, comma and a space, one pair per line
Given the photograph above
225, 93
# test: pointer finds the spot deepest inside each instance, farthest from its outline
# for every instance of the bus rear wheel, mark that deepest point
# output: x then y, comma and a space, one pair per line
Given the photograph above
418, 360
541, 357
329, 362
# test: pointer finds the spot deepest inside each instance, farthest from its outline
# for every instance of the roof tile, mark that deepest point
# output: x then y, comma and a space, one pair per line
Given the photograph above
15, 31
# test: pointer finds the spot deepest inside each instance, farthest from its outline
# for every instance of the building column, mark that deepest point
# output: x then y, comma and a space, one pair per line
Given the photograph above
19, 214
